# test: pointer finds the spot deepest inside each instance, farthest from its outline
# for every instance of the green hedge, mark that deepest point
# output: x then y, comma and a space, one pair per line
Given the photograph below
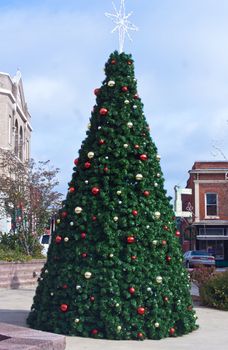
214, 292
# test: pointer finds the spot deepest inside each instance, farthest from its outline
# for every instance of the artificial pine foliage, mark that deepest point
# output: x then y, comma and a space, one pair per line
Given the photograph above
114, 268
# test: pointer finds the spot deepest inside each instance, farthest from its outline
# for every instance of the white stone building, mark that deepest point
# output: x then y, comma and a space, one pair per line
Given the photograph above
15, 123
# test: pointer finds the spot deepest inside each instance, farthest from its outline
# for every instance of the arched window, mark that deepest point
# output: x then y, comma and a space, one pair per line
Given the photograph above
16, 138
21, 144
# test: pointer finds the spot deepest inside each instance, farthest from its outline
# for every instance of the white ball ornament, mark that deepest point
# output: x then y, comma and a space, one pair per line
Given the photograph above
135, 107
126, 102
155, 184
71, 223
86, 182
99, 127
139, 177
76, 320
158, 175
158, 157
106, 157
125, 145
155, 242
156, 325
115, 218
111, 255
148, 289
88, 275
117, 304
159, 279
78, 210
130, 125
78, 287
51, 294
90, 155
66, 239
118, 193
157, 215
119, 328
89, 126
111, 83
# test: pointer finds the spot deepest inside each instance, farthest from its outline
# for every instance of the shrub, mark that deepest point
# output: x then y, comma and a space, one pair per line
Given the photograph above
202, 274
214, 292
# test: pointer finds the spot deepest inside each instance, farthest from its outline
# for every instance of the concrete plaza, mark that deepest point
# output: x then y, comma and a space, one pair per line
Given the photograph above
212, 334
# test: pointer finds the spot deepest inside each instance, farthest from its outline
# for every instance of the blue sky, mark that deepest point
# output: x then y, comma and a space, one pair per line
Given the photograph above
181, 63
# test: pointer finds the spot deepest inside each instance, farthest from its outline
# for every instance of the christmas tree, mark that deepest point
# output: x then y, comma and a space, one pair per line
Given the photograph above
114, 268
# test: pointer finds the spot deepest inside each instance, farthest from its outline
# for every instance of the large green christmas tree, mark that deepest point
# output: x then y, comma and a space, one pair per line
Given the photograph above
114, 268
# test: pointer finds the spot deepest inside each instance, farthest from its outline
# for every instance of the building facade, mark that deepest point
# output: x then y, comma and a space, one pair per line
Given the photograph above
208, 228
15, 123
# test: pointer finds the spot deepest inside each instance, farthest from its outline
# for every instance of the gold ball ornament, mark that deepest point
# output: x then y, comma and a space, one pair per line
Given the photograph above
58, 221
139, 177
78, 210
89, 126
88, 274
90, 155
157, 215
111, 83
130, 125
159, 279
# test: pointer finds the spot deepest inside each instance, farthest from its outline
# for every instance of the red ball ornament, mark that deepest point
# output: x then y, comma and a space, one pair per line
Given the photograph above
97, 91
140, 335
134, 257
135, 212
94, 218
137, 146
106, 169
172, 331
146, 193
87, 165
136, 96
124, 88
83, 235
131, 290
168, 258
58, 239
65, 286
143, 157
113, 61
164, 242
92, 298
64, 214
84, 255
101, 142
71, 189
76, 161
130, 239
177, 234
95, 191
189, 308
63, 307
166, 299
141, 310
103, 111
94, 332
129, 62
166, 228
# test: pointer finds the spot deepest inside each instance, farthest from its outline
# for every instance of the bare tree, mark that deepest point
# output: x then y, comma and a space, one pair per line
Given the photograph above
28, 196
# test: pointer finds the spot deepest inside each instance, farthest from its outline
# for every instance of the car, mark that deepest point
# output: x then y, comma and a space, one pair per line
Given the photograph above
198, 257
45, 240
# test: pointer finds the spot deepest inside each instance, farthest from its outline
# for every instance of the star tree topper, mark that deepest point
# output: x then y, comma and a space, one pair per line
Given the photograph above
123, 25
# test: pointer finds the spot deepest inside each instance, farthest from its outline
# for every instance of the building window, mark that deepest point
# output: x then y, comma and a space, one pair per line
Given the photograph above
16, 139
10, 130
21, 144
213, 231
211, 200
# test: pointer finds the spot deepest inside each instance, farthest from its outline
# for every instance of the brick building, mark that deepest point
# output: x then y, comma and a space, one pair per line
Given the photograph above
15, 123
209, 205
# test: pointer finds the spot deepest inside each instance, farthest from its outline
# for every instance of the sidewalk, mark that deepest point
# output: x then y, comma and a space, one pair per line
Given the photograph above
212, 334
